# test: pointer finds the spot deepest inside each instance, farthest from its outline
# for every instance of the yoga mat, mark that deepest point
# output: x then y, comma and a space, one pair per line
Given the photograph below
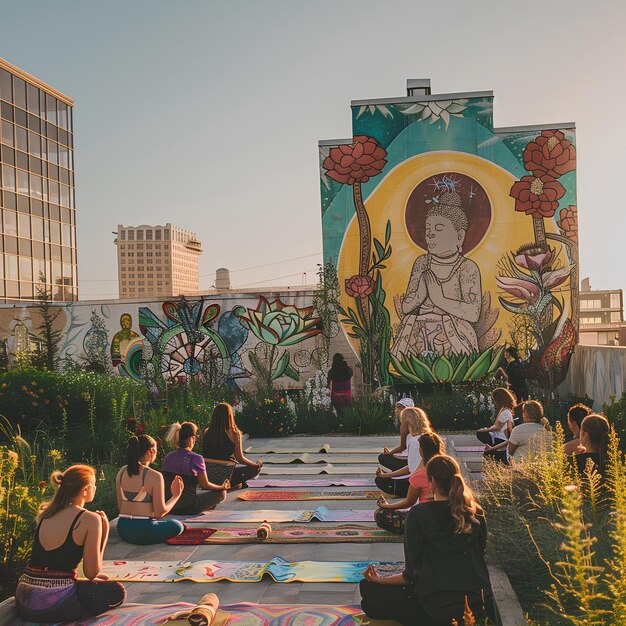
280, 570
361, 459
320, 514
266, 496
312, 482
346, 533
470, 448
324, 449
290, 470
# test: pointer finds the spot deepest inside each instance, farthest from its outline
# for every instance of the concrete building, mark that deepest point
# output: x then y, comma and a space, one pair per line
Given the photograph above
601, 316
157, 261
38, 222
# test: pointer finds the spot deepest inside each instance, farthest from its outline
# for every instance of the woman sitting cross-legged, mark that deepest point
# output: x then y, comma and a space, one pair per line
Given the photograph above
67, 533
390, 515
396, 483
499, 432
444, 545
395, 458
191, 468
141, 497
222, 449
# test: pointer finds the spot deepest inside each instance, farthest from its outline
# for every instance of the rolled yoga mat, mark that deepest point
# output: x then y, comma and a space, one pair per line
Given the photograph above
203, 614
263, 531
345, 533
268, 496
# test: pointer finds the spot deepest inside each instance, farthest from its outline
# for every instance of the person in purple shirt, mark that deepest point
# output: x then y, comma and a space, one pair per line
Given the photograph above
190, 467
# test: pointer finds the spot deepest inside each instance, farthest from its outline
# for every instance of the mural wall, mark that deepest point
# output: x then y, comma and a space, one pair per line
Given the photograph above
452, 240
221, 338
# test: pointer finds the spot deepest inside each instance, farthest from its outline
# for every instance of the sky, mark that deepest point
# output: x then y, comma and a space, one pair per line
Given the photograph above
207, 114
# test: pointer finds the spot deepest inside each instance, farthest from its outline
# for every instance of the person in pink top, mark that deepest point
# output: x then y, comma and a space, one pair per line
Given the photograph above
391, 515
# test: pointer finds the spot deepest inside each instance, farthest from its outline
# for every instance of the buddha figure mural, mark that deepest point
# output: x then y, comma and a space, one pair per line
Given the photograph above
443, 298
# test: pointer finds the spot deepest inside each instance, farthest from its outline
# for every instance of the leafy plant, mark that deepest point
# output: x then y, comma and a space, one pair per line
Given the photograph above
367, 416
266, 416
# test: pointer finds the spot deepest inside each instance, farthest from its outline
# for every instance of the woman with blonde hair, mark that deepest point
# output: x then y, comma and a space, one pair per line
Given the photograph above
444, 546
396, 482
191, 468
67, 534
222, 449
141, 496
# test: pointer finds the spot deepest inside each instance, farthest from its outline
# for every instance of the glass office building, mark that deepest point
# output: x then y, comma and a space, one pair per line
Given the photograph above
38, 241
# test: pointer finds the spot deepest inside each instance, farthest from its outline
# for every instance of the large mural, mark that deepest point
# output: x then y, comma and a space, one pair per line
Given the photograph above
452, 240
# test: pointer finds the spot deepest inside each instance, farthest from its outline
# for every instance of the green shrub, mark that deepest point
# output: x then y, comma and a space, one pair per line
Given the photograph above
312, 420
264, 416
367, 416
615, 412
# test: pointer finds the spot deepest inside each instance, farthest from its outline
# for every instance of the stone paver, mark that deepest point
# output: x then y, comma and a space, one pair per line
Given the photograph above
267, 591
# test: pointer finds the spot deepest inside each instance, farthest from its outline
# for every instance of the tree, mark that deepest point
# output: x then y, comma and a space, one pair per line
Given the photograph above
48, 335
326, 304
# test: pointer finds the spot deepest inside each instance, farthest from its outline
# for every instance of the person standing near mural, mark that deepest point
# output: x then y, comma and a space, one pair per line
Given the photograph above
340, 383
513, 373
192, 469
443, 298
222, 449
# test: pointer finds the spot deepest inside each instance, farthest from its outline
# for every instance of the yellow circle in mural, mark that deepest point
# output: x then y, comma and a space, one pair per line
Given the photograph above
506, 232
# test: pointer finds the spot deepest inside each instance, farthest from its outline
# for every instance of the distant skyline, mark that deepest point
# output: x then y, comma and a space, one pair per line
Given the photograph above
207, 114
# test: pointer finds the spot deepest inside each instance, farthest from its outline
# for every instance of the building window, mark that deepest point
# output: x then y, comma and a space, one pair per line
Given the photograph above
131, 235
149, 235
616, 301
140, 235
616, 316
157, 234
123, 235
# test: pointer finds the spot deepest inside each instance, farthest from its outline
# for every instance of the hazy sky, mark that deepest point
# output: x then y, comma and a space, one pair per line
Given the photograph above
207, 114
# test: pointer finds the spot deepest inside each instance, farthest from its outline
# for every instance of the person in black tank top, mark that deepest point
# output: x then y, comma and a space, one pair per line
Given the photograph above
222, 450
48, 591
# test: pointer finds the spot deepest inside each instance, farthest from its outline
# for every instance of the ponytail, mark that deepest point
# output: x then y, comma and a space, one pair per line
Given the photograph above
137, 448
179, 434
68, 485
446, 474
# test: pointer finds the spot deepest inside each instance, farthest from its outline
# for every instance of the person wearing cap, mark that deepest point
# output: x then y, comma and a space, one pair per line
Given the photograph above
396, 458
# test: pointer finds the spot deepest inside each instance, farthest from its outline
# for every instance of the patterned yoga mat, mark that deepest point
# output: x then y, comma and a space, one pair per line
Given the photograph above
312, 482
320, 514
346, 533
240, 614
265, 496
470, 448
324, 449
246, 571
320, 458
317, 468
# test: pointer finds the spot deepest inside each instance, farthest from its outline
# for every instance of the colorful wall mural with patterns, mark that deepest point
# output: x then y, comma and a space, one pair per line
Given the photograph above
452, 240
222, 339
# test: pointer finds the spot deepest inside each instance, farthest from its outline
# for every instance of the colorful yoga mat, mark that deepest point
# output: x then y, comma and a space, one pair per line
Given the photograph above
320, 514
323, 449
267, 496
308, 459
246, 571
312, 482
317, 468
346, 533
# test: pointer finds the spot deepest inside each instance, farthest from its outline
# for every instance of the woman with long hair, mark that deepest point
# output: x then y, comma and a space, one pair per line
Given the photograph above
191, 468
444, 546
222, 448
594, 443
67, 533
531, 437
497, 435
391, 515
396, 483
141, 496
395, 458
340, 383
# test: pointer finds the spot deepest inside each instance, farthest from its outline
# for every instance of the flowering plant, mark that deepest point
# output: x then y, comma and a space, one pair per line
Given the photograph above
266, 415
317, 392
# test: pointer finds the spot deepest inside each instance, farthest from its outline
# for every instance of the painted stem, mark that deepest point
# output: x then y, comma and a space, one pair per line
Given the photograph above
540, 231
365, 247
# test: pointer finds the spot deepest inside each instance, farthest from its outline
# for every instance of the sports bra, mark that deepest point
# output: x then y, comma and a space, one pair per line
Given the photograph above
136, 496
65, 558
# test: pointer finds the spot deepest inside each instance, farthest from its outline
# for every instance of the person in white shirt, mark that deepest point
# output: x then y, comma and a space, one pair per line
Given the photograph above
395, 458
397, 482
496, 436
533, 436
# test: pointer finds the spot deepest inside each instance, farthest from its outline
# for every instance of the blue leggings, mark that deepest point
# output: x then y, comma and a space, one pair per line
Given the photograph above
145, 532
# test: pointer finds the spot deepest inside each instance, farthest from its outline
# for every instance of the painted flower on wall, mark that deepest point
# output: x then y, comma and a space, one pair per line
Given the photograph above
520, 288
537, 196
568, 222
279, 324
550, 153
533, 257
436, 110
360, 286
357, 162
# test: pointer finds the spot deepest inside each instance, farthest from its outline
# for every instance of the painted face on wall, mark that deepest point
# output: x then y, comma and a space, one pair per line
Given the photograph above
441, 237
126, 321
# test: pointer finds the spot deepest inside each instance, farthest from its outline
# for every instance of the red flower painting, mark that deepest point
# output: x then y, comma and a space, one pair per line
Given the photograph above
568, 222
359, 286
550, 153
356, 162
537, 196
